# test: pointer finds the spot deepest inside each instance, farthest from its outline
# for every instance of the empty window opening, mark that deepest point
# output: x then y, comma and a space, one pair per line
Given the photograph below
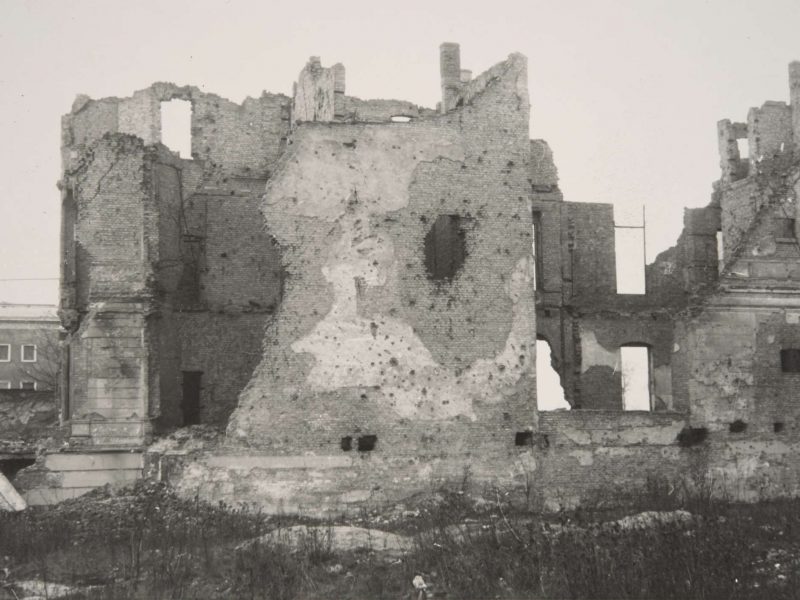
636, 370
744, 148
549, 393
790, 360
5, 352
27, 385
190, 401
366, 443
720, 249
400, 119
629, 252
445, 248
347, 443
176, 126
5, 384
523, 438
784, 228
28, 353
538, 266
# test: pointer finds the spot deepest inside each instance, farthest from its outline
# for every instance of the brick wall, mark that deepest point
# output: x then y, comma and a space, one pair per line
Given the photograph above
365, 341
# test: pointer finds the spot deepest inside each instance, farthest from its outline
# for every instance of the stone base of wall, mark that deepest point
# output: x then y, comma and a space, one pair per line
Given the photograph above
64, 475
597, 458
326, 485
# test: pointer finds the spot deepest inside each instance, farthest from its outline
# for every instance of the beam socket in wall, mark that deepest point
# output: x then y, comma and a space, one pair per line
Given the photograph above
777, 427
366, 443
691, 436
347, 443
523, 438
738, 426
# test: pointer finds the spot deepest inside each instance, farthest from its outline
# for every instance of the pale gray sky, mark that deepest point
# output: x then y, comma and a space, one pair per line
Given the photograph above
626, 92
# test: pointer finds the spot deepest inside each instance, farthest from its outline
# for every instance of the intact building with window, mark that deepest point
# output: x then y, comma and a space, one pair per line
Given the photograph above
28, 347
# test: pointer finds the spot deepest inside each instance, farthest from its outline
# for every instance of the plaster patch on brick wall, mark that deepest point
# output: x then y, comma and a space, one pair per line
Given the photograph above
319, 177
593, 354
344, 345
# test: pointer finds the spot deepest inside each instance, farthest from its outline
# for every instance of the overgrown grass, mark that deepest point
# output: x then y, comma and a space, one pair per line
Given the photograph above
148, 544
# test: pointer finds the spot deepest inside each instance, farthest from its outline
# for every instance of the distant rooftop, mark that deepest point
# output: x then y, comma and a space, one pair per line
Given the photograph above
28, 312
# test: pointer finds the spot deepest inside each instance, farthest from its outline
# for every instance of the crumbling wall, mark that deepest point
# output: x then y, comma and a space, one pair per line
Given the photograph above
368, 341
27, 416
148, 235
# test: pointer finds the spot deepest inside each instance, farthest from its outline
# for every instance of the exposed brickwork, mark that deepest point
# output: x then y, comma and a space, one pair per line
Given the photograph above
286, 262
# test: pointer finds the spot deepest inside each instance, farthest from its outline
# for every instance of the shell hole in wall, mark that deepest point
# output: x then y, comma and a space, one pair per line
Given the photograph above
445, 248
176, 126
549, 392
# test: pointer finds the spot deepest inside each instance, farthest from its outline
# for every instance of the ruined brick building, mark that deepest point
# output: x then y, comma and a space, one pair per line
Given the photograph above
353, 290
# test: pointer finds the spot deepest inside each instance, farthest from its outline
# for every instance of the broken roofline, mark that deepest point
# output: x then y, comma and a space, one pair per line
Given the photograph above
318, 95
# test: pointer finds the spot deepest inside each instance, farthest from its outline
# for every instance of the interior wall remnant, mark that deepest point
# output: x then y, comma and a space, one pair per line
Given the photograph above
364, 339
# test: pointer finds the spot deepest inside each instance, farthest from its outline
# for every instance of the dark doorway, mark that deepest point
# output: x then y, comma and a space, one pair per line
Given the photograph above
190, 404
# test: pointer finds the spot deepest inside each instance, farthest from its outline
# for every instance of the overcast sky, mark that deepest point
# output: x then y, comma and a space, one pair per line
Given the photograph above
627, 93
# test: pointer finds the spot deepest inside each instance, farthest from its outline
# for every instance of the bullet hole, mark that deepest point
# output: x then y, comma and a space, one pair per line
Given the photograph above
738, 426
691, 436
523, 438
393, 361
366, 443
777, 427
351, 144
424, 391
347, 443
363, 396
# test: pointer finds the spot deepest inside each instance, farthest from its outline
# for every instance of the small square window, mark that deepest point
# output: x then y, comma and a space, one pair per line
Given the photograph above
790, 360
28, 353
5, 352
27, 385
5, 385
